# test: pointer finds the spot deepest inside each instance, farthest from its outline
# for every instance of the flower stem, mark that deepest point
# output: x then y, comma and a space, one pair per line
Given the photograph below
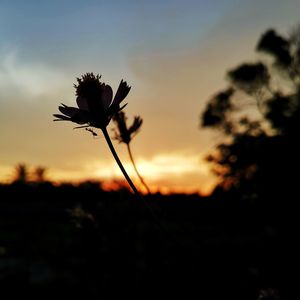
139, 196
116, 157
136, 170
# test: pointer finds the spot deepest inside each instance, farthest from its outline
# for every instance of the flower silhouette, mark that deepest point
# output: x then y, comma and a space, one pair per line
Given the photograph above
125, 134
122, 133
96, 105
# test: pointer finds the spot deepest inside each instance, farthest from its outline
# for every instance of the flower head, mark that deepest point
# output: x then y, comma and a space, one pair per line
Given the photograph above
122, 133
96, 105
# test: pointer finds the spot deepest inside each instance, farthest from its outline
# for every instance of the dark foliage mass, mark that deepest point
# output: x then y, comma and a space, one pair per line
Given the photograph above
258, 161
82, 241
260, 153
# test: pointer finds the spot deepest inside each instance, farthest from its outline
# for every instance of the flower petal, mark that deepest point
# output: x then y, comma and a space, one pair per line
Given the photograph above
68, 111
137, 123
61, 118
106, 96
82, 103
74, 114
123, 106
121, 93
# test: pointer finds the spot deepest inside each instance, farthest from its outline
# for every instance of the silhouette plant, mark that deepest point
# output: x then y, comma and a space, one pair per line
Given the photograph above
96, 107
125, 134
254, 144
40, 174
21, 173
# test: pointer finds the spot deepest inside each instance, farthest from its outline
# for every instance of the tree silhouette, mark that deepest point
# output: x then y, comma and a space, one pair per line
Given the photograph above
40, 174
260, 146
21, 173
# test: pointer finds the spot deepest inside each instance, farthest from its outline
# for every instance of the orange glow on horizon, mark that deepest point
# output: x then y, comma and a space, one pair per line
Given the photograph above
164, 173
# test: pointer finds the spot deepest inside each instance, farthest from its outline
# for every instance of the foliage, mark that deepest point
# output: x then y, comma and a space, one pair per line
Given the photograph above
83, 241
260, 142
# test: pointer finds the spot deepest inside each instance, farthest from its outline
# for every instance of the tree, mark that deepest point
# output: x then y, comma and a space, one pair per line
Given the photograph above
40, 174
21, 173
260, 154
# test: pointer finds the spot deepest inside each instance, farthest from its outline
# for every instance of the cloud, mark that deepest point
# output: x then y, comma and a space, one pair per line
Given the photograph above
27, 78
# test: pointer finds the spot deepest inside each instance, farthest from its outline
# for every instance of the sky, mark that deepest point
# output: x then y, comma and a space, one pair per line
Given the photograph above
174, 55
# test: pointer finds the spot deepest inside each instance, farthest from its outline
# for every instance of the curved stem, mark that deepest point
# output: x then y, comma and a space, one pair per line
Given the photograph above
115, 155
136, 170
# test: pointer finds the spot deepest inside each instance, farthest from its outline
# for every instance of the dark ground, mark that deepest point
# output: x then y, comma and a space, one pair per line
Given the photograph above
81, 241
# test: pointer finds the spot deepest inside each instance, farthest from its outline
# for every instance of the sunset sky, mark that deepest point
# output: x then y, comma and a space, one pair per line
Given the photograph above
173, 53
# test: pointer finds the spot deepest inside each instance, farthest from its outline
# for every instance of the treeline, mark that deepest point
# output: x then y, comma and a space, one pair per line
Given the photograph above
82, 240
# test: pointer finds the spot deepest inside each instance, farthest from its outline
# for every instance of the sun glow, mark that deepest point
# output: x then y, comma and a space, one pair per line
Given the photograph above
164, 172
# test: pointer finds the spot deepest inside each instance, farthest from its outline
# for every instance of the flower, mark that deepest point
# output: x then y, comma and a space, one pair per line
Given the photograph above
96, 105
125, 135
122, 133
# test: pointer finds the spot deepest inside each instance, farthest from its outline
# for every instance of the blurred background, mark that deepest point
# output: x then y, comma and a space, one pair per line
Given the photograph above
174, 55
